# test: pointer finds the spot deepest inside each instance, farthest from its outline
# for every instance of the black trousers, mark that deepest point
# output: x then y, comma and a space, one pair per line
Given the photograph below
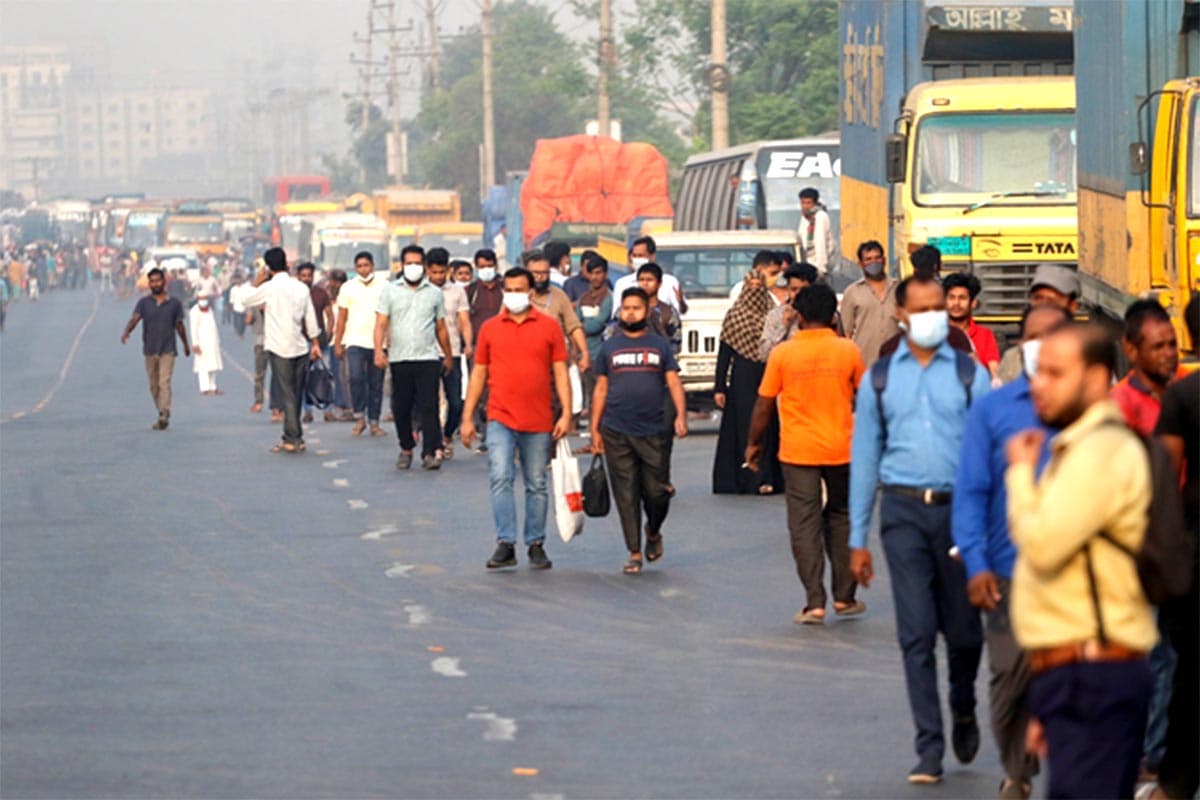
638, 471
415, 391
291, 373
1178, 774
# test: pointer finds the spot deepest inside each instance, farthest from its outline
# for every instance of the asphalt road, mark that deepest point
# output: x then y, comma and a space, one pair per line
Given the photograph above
185, 614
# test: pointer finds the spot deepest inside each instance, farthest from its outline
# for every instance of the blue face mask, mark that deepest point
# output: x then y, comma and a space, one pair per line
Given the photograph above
928, 329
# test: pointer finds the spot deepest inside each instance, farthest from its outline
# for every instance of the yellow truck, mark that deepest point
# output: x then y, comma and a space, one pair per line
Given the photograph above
403, 206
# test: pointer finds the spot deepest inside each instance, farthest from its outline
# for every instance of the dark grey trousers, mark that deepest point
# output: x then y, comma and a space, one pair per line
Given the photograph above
817, 533
291, 372
1007, 689
638, 473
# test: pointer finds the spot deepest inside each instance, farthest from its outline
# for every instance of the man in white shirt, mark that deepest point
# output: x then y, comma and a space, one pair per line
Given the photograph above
458, 327
641, 253
354, 340
289, 313
816, 231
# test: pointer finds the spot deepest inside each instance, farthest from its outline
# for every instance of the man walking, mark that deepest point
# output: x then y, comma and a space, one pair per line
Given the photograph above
323, 306
462, 338
816, 231
813, 378
869, 304
354, 337
908, 424
410, 333
290, 334
1152, 348
520, 352
979, 524
1078, 607
206, 346
962, 298
554, 303
635, 371
162, 318
486, 297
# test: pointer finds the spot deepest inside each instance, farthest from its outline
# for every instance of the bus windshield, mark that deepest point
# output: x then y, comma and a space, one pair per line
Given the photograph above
340, 254
185, 232
707, 271
784, 172
1014, 158
459, 246
1192, 159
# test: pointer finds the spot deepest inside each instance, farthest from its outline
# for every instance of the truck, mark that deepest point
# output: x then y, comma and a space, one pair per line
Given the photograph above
337, 238
398, 205
961, 121
1139, 156
195, 226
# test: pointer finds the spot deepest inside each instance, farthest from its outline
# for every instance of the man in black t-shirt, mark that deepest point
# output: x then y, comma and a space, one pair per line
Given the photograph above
162, 319
635, 370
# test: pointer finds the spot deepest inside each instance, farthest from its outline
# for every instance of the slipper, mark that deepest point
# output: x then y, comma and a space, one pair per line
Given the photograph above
257, 407
632, 567
654, 547
284, 447
766, 488
851, 610
809, 617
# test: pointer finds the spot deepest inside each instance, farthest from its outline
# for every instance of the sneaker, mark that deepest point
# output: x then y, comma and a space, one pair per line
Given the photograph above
505, 556
431, 462
404, 461
965, 738
481, 450
926, 773
537, 557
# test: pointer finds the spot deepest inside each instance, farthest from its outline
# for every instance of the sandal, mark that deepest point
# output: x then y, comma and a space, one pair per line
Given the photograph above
852, 609
633, 566
766, 488
284, 447
654, 546
809, 616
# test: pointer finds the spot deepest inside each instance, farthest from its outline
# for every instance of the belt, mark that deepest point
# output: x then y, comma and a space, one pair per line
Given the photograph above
930, 497
1091, 651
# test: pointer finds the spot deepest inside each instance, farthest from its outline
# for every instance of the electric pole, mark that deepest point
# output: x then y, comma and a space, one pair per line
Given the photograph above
489, 121
366, 69
718, 79
435, 67
604, 114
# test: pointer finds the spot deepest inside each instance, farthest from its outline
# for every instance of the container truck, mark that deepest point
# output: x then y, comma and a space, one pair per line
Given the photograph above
1139, 175
958, 131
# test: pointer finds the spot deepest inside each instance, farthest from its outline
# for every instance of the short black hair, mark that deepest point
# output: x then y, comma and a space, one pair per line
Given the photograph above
809, 193
651, 268
591, 260
437, 257
816, 304
1138, 314
1028, 310
408, 248
928, 259
786, 257
486, 253
1096, 344
765, 257
636, 291
276, 259
156, 271
529, 256
869, 244
918, 278
961, 280
803, 271
337, 275
520, 272
360, 254
555, 251
460, 262
648, 241
305, 265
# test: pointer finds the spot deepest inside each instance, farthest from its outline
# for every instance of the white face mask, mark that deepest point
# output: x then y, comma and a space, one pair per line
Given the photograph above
637, 263
516, 302
202, 303
781, 282
1029, 356
487, 274
466, 282
928, 329
414, 272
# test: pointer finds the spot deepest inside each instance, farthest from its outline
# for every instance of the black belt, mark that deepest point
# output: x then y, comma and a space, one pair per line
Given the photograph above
930, 497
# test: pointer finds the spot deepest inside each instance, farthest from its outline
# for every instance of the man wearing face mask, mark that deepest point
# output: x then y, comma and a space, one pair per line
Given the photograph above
206, 345
411, 337
783, 320
1052, 285
354, 339
908, 424
869, 304
458, 326
519, 354
486, 296
979, 523
641, 253
816, 231
554, 303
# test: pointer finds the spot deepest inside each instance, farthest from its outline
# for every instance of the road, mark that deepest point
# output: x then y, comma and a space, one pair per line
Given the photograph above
186, 614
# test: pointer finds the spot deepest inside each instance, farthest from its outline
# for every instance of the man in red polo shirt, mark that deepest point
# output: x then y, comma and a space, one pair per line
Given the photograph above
1153, 350
962, 298
516, 355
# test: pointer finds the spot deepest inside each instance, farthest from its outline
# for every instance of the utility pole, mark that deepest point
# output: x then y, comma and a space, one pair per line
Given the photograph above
718, 79
435, 67
366, 69
604, 113
489, 118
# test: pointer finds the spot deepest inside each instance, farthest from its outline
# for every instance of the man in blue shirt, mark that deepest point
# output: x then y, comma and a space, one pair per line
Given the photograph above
910, 451
979, 522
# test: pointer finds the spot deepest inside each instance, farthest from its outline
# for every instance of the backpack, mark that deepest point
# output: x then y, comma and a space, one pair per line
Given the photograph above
964, 366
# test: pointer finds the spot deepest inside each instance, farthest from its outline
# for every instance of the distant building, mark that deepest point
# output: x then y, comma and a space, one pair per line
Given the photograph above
33, 83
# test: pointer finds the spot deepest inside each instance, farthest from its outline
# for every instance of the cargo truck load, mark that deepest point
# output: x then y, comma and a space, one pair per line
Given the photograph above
961, 119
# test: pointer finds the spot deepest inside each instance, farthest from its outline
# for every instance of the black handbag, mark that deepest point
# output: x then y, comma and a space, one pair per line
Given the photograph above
596, 500
318, 384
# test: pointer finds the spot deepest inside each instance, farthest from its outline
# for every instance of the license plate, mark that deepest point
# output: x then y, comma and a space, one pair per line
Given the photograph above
698, 366
951, 245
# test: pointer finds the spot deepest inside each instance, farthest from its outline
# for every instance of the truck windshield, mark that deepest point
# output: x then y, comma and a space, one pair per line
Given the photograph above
969, 158
1192, 159
707, 271
459, 246
340, 254
181, 232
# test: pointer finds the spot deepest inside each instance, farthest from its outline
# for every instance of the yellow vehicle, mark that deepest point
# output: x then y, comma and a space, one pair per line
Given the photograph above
401, 206
984, 170
462, 239
337, 238
289, 219
199, 229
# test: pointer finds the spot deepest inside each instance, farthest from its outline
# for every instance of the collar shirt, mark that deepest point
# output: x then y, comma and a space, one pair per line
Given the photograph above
557, 305
925, 409
1138, 402
455, 297
360, 299
867, 319
666, 291
412, 316
288, 312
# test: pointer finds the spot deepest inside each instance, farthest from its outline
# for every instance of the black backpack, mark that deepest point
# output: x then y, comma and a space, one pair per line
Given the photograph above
964, 365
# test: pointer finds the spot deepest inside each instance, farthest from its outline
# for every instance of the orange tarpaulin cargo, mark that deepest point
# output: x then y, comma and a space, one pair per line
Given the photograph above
593, 179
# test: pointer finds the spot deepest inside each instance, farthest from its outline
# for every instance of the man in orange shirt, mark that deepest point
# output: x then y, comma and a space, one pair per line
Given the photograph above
814, 376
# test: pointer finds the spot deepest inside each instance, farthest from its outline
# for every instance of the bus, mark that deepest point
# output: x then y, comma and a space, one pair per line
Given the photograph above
335, 239
758, 185
290, 188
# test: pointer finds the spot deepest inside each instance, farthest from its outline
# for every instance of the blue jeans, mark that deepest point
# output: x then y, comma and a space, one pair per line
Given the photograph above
452, 385
534, 451
930, 593
366, 382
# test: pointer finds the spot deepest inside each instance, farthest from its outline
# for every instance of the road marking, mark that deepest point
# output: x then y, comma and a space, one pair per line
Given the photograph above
337, 462
499, 729
245, 373
419, 615
380, 532
447, 667
670, 593
399, 571
62, 373
357, 505
525, 772
322, 452
340, 483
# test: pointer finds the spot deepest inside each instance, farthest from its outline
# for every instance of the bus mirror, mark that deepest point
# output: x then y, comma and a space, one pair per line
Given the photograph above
895, 150
1137, 158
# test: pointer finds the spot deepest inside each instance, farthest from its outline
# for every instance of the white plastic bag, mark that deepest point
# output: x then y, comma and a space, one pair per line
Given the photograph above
576, 389
568, 492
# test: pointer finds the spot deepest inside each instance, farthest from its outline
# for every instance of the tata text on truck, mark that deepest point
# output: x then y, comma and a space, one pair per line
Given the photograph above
964, 116
1139, 170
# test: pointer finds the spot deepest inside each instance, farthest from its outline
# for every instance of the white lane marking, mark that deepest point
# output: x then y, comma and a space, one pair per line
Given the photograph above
447, 667
357, 505
380, 532
544, 796
418, 615
230, 359
499, 729
66, 367
670, 593
399, 571
340, 483
334, 464
314, 440
322, 452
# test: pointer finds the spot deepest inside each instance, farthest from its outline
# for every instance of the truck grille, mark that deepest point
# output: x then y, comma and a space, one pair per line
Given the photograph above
1005, 287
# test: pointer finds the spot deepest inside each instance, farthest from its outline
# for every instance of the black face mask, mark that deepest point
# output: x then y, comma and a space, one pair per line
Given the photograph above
541, 287
640, 325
